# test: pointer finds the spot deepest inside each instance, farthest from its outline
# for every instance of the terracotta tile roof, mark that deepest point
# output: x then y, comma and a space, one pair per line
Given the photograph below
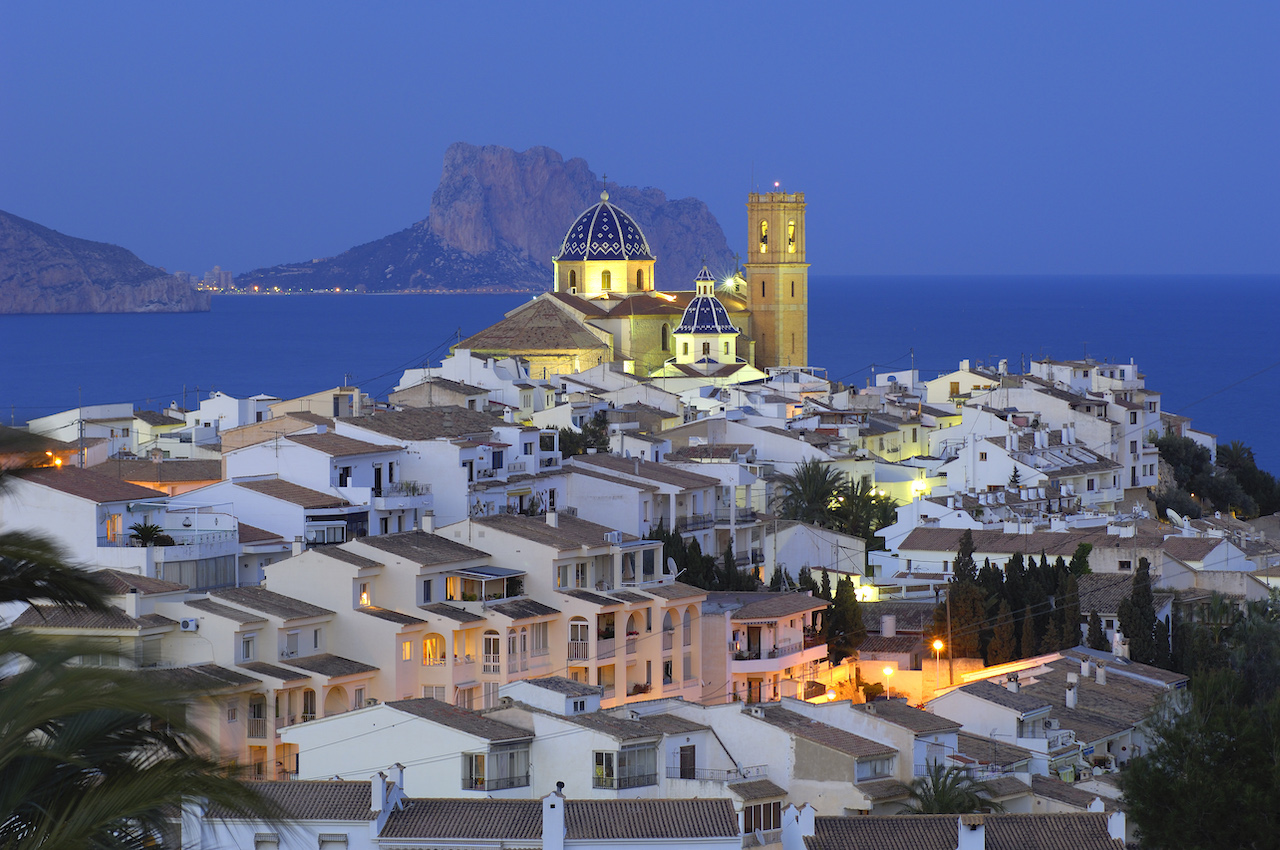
991, 751
164, 471
674, 590
423, 549
284, 674
217, 609
940, 832
155, 417
779, 605
336, 552
311, 800
1103, 592
448, 385
646, 470
443, 609
593, 598
336, 445
756, 789
1006, 786
462, 719
523, 609
539, 325
119, 582
569, 532
1052, 543
823, 734
287, 491
912, 617
673, 724
638, 820
629, 596
466, 820
883, 790
87, 484
619, 728
204, 678
1021, 702
582, 305
328, 664
253, 534
897, 645
17, 441
1064, 792
391, 616
561, 685
57, 617
899, 712
1190, 548
257, 598
1129, 669
613, 479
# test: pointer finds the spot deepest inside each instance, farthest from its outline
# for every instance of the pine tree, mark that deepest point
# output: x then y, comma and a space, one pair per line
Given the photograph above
1097, 638
805, 580
825, 590
775, 580
1003, 647
1080, 560
1027, 644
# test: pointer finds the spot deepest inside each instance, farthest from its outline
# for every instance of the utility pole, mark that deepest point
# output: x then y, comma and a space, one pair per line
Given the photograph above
951, 666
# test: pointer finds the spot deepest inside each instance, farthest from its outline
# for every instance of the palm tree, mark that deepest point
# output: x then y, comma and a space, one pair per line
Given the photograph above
147, 533
91, 757
947, 790
809, 493
862, 511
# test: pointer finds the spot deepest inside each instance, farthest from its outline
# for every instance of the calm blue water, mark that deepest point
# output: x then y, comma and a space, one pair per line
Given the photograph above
1199, 339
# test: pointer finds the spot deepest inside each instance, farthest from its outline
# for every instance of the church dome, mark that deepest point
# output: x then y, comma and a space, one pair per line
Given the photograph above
604, 232
705, 314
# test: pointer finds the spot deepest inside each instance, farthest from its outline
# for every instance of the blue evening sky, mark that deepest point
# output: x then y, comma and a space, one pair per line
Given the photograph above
929, 138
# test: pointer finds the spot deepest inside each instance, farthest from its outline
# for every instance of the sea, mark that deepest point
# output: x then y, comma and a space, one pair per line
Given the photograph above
1208, 343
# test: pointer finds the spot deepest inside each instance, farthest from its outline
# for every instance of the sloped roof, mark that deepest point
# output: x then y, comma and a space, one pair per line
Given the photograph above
523, 609
287, 491
1191, 548
336, 552
991, 692
779, 605
463, 820
119, 581
336, 445
328, 664
391, 616
178, 470
1052, 543
275, 671
538, 326
569, 532
422, 548
217, 609
660, 473
204, 678
304, 799
428, 423
901, 713
674, 590
756, 789
1064, 792
87, 484
443, 609
462, 719
990, 750
58, 617
561, 685
258, 598
823, 734
1086, 831
253, 534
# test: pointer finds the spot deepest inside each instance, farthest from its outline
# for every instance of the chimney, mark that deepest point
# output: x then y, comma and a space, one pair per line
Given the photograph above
797, 824
1071, 695
972, 833
378, 792
1084, 668
297, 545
553, 830
637, 467
553, 519
399, 769
1115, 825
429, 522
1011, 683
888, 625
1102, 673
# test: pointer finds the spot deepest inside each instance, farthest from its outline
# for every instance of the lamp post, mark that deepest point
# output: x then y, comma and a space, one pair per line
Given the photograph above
937, 655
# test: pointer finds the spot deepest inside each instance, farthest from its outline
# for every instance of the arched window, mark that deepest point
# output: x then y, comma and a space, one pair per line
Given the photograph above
308, 705
639, 278
687, 630
432, 650
706, 349
573, 280
791, 237
606, 280
726, 348
666, 337
764, 236
668, 631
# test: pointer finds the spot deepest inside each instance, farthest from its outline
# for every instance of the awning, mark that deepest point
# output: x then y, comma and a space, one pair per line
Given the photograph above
487, 573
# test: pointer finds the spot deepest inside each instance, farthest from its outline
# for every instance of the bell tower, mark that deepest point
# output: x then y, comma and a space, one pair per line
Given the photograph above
777, 278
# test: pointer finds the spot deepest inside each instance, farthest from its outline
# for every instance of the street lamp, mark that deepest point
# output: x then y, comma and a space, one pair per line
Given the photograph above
937, 654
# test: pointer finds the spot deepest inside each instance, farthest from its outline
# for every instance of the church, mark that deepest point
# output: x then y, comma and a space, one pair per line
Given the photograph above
605, 305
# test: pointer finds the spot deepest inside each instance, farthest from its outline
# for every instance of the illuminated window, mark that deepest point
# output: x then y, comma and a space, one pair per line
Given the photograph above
684, 348
364, 594
791, 237
606, 280
406, 650
639, 278
764, 236
666, 337
726, 348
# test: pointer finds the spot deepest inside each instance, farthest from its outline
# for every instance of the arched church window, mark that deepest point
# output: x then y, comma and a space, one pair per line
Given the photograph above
666, 337
764, 236
640, 279
573, 281
791, 237
685, 349
726, 348
606, 280
706, 349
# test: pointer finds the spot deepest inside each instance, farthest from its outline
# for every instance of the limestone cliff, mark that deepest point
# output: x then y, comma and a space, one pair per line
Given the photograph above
43, 271
494, 223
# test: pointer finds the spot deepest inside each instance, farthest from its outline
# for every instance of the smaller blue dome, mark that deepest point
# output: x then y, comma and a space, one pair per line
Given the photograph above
705, 315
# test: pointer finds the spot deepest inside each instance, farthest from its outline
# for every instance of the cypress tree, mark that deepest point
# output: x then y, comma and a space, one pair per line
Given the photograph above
1003, 647
1027, 645
825, 590
964, 568
1097, 638
1070, 604
1138, 616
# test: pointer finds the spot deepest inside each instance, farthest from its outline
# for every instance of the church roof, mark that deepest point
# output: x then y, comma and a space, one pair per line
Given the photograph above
705, 315
604, 232
539, 326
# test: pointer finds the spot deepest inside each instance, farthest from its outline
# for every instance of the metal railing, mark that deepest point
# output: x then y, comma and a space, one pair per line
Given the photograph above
784, 649
638, 781
708, 774
668, 639
631, 645
579, 650
548, 462
497, 783
407, 488
725, 514
693, 522
757, 556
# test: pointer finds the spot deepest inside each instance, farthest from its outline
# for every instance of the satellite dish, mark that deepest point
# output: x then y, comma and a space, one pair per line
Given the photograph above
1173, 516
759, 838
671, 566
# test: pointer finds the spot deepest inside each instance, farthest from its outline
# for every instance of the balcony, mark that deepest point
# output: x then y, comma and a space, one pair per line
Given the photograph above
605, 648
549, 462
784, 649
402, 495
694, 522
491, 664
725, 513
516, 466
757, 556
257, 727
767, 837
579, 650
621, 782
498, 783
631, 644
706, 774
668, 641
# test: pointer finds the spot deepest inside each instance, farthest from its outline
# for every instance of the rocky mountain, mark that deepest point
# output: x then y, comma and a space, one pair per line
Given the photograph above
44, 271
494, 223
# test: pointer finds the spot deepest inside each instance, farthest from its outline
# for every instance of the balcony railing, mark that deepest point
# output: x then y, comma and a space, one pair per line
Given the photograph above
785, 649
693, 522
496, 783
757, 556
725, 514
407, 488
605, 648
767, 837
668, 640
747, 654
516, 466
548, 462
975, 773
492, 664
625, 781
579, 650
257, 727
707, 774
631, 645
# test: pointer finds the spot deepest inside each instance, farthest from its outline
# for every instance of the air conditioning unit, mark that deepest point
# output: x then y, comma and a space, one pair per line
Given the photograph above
288, 653
1052, 723
614, 537
371, 701
189, 624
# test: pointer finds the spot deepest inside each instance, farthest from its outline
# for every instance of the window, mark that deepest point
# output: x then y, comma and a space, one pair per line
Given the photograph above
764, 238
606, 280
638, 765
573, 281
726, 348
639, 278
357, 701
290, 645
793, 289
579, 705
233, 713
406, 650
315, 638
1151, 406
764, 817
873, 768
955, 388
426, 591
435, 692
762, 289
1133, 417
432, 650
527, 449
1125, 565
604, 776
246, 648
1090, 484
982, 455
706, 349
1133, 447
791, 246
666, 337
364, 594
541, 645
914, 437
344, 476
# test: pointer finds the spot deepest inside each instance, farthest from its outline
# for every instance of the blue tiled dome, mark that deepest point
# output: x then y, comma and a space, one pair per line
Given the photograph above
705, 315
604, 232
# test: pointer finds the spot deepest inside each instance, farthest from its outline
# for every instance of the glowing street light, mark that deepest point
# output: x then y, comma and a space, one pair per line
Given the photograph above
888, 671
937, 655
